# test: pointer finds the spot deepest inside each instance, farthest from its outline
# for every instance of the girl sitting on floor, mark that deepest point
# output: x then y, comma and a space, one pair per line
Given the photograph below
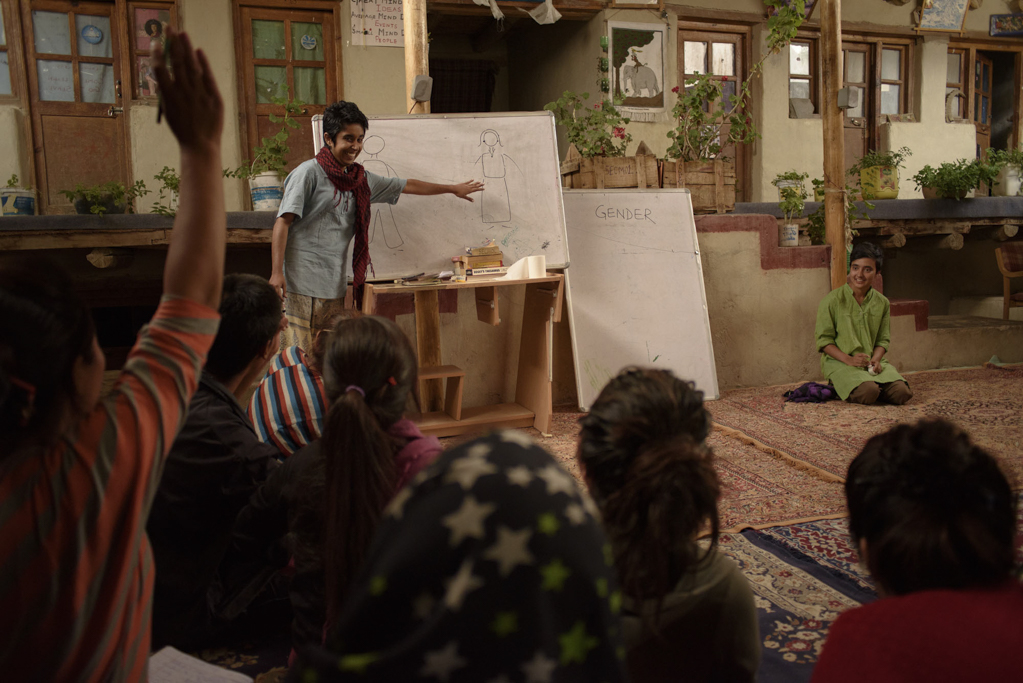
688, 610
934, 519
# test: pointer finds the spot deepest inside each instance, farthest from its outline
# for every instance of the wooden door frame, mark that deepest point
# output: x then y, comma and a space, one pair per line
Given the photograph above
248, 123
971, 46
743, 29
19, 81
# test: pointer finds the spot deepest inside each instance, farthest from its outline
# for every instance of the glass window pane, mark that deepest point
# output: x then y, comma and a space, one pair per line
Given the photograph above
96, 82
5, 75
149, 25
799, 59
310, 85
983, 109
856, 112
891, 65
723, 58
50, 30
955, 67
696, 57
799, 89
976, 107
56, 81
93, 36
3, 32
271, 81
957, 103
890, 99
986, 87
306, 41
727, 93
976, 78
268, 39
147, 81
855, 67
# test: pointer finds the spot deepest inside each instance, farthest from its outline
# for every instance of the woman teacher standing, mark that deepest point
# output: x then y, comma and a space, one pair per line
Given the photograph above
326, 203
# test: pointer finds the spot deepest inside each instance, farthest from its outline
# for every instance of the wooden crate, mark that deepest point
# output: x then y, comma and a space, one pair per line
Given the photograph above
711, 183
640, 170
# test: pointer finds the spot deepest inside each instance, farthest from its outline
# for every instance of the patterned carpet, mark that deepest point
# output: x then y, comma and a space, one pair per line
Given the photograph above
827, 436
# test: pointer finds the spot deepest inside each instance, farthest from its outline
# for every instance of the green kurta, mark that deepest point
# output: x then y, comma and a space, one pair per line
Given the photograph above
854, 329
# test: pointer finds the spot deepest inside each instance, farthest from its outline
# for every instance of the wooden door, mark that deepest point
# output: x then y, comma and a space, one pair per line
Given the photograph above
74, 70
289, 52
721, 55
856, 58
983, 70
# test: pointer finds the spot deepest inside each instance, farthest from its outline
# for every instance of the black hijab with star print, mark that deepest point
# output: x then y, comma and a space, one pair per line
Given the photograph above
488, 568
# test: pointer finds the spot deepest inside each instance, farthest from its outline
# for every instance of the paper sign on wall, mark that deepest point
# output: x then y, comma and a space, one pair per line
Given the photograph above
378, 23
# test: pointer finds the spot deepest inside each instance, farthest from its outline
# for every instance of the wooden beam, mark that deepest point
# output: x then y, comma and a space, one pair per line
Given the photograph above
1004, 232
417, 63
834, 137
953, 241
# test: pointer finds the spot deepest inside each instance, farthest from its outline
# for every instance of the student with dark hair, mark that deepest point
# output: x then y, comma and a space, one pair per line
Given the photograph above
688, 610
78, 475
326, 203
215, 464
853, 334
934, 520
322, 505
489, 567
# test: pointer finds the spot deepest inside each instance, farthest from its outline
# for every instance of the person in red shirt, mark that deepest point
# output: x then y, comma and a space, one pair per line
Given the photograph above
935, 522
77, 474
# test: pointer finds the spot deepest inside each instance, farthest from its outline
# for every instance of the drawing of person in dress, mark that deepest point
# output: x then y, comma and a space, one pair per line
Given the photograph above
495, 205
381, 213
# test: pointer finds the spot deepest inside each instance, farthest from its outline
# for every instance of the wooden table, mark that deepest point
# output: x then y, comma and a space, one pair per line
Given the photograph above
443, 414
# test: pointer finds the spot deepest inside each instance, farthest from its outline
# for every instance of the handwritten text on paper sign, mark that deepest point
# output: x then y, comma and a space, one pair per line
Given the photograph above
611, 213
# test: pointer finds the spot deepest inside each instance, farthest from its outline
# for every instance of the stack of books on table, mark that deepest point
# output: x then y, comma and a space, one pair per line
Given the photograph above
484, 261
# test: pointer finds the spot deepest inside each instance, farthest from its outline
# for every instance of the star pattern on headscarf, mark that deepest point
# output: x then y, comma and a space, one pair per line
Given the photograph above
557, 480
516, 437
576, 644
547, 523
519, 475
539, 669
576, 514
460, 585
467, 470
467, 521
505, 623
510, 550
397, 505
442, 663
554, 575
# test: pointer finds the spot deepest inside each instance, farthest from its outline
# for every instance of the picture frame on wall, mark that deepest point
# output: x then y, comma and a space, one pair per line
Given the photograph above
943, 16
638, 54
1006, 25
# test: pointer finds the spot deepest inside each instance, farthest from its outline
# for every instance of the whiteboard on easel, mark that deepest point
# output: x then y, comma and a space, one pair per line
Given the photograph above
635, 290
514, 154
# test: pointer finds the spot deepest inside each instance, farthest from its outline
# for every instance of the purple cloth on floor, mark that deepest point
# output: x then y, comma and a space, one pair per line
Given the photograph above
811, 392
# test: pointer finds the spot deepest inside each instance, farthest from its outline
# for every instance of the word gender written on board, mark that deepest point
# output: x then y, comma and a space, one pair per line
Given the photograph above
618, 213
378, 23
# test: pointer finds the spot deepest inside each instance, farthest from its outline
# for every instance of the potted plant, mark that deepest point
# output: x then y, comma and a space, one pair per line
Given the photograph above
954, 179
815, 226
879, 173
593, 131
793, 201
15, 200
818, 189
1010, 171
789, 179
169, 182
112, 197
264, 173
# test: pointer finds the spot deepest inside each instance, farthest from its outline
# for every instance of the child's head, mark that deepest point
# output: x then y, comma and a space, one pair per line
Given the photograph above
865, 263
51, 366
251, 321
643, 451
930, 510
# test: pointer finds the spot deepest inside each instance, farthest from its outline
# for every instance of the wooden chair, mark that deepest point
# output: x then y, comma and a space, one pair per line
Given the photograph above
1010, 263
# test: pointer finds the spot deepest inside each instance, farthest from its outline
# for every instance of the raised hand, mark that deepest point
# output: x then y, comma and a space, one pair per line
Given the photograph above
189, 95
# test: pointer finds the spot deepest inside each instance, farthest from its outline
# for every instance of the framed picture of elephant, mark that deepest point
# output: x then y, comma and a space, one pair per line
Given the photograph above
637, 53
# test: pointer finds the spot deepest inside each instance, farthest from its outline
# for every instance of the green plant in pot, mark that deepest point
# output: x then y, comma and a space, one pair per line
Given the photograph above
112, 197
793, 201
270, 156
1010, 171
954, 179
879, 173
595, 131
16, 200
167, 201
789, 179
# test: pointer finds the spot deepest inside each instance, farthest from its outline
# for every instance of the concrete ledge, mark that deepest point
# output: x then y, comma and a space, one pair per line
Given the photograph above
913, 209
918, 308
772, 257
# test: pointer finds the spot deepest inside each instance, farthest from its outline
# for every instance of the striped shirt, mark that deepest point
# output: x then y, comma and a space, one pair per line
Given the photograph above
76, 581
289, 405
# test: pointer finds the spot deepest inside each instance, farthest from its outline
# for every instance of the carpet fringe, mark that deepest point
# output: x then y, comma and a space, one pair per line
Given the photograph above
781, 455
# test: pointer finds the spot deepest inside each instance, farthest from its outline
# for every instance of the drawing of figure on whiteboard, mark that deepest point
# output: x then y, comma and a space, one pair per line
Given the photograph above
382, 215
495, 205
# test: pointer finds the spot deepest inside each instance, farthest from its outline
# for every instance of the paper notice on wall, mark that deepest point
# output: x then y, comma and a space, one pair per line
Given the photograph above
378, 23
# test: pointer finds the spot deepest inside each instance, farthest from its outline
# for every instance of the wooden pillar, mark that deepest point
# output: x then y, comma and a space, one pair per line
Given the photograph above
834, 137
417, 61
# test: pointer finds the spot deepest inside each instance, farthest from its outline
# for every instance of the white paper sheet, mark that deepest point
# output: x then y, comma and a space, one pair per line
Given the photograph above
173, 666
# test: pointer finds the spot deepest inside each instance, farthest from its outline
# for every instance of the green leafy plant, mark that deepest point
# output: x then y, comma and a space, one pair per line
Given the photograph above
271, 153
793, 201
954, 179
108, 196
706, 121
874, 158
12, 182
595, 131
790, 177
815, 221
169, 183
1005, 157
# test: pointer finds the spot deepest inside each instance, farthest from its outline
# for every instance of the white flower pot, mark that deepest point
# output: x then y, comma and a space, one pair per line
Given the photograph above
787, 183
788, 236
16, 202
1008, 182
266, 190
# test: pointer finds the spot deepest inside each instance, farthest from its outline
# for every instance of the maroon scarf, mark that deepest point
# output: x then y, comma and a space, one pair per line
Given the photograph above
353, 181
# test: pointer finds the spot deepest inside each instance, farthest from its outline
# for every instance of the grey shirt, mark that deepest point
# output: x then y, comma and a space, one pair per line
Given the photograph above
316, 257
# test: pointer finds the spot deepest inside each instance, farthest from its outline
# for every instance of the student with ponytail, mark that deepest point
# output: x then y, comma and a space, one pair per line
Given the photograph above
688, 610
321, 507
